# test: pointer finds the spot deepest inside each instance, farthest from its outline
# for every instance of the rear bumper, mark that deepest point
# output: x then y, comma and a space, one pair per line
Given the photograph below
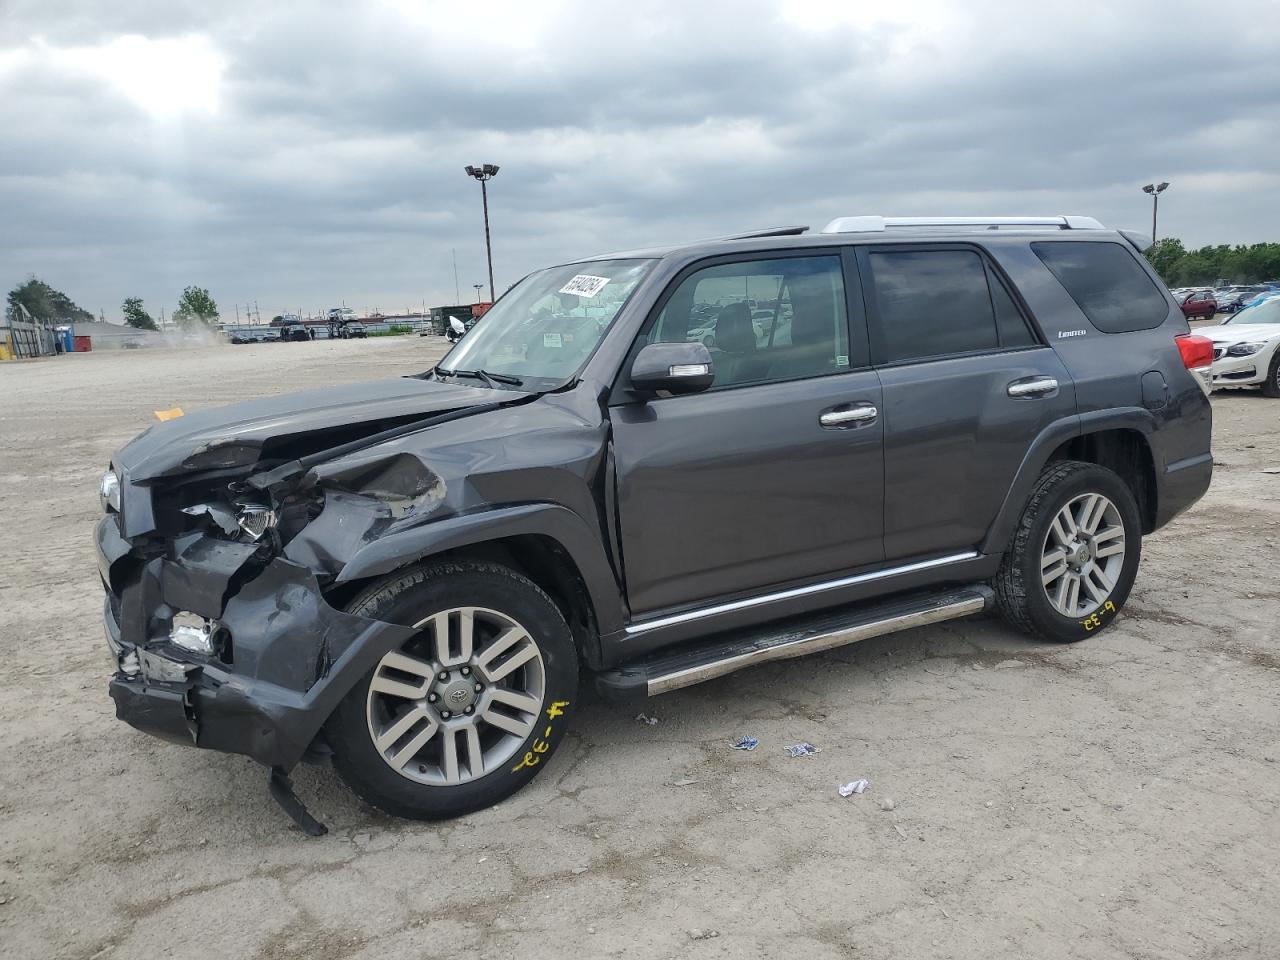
1184, 482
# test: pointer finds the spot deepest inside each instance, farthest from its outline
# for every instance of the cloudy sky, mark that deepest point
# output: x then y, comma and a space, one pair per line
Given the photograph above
307, 154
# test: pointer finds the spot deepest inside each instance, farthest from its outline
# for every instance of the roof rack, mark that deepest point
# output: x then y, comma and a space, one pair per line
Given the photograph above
882, 224
769, 232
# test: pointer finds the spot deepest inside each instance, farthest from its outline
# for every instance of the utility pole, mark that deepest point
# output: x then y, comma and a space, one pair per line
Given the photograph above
457, 294
1155, 190
484, 174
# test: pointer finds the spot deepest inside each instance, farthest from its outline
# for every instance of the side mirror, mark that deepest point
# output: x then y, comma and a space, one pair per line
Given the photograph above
673, 368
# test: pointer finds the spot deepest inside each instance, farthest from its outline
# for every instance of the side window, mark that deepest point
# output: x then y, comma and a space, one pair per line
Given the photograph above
1011, 326
763, 320
1106, 283
933, 303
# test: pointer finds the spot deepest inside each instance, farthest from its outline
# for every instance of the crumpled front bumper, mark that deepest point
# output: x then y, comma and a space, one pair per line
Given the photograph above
292, 657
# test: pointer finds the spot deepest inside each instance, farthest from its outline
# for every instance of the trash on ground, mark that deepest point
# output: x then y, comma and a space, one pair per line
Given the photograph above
745, 743
802, 750
647, 720
856, 786
887, 803
696, 934
902, 833
1272, 470
683, 783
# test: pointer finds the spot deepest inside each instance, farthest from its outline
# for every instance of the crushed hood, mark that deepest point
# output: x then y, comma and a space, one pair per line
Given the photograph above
291, 424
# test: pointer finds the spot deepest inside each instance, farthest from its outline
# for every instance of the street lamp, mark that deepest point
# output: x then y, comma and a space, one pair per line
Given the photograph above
484, 174
1155, 189
477, 286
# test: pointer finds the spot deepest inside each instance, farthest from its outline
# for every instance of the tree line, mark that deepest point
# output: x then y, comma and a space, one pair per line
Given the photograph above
47, 305
1180, 267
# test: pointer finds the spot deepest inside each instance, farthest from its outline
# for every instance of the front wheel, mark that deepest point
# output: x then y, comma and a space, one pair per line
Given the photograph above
1074, 555
471, 707
1271, 385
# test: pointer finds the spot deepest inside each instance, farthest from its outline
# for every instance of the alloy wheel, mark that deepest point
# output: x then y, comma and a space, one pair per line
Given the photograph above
1082, 555
458, 699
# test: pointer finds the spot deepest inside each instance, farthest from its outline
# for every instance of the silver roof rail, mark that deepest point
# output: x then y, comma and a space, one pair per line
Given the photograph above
767, 232
882, 224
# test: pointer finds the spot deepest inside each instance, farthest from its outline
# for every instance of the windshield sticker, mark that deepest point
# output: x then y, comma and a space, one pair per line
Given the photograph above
551, 340
584, 285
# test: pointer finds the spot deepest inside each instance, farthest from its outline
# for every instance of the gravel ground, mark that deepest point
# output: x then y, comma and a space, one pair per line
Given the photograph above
1115, 798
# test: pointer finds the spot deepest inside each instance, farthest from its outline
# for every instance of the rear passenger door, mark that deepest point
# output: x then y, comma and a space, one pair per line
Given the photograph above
967, 385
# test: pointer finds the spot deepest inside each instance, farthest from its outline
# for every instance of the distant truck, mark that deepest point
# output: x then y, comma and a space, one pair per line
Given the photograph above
291, 327
337, 318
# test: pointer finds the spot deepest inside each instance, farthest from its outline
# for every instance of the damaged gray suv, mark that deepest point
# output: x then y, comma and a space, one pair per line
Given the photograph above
654, 468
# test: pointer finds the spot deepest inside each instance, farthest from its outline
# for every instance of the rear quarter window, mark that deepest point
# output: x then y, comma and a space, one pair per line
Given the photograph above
1107, 284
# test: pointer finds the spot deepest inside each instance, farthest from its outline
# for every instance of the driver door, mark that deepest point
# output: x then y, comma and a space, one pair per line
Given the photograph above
775, 474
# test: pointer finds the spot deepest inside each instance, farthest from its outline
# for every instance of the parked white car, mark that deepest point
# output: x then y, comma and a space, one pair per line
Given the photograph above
1246, 349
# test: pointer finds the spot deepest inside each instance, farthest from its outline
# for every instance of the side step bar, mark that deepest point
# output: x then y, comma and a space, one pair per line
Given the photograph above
785, 639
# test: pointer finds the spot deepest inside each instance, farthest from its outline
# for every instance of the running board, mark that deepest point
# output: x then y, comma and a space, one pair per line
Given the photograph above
796, 637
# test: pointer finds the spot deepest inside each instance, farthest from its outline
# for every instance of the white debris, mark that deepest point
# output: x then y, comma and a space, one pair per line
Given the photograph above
855, 786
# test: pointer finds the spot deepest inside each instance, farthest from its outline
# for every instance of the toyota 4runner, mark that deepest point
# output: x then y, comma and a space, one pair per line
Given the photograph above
896, 422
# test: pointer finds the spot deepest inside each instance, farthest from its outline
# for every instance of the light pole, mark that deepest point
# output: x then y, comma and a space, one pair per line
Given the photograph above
1155, 189
484, 174
478, 286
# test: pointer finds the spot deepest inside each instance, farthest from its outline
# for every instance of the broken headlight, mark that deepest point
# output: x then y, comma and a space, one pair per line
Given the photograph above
255, 519
109, 492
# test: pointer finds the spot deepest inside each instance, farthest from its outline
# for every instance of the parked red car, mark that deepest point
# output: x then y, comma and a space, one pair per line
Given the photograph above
1199, 305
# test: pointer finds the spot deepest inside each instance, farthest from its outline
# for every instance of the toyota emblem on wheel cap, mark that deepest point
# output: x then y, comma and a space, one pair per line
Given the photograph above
458, 696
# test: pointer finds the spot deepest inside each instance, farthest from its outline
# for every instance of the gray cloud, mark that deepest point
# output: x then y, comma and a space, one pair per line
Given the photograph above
304, 154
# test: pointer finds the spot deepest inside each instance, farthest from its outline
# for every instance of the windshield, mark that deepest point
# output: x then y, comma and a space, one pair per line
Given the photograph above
548, 324
1268, 311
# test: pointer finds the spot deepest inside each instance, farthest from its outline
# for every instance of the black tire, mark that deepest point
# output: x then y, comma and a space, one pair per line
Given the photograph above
1020, 597
1271, 386
411, 596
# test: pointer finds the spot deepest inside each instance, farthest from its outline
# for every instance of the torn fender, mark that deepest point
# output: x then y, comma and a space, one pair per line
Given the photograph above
578, 539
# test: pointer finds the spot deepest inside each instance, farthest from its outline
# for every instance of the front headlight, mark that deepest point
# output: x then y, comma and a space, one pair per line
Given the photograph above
255, 519
109, 492
1244, 349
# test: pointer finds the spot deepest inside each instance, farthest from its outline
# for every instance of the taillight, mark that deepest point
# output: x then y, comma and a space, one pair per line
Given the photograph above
1196, 351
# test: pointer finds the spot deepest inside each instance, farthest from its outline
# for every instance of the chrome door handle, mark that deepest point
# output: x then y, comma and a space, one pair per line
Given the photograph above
861, 414
1033, 388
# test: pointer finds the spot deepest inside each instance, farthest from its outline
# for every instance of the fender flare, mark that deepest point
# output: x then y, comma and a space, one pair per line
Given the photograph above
1047, 441
569, 530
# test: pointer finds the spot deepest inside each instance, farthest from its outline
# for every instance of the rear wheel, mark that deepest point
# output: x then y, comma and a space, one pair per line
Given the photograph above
1271, 385
471, 707
1074, 555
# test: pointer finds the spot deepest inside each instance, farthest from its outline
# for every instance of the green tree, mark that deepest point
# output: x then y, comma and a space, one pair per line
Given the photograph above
1164, 254
45, 303
135, 316
195, 306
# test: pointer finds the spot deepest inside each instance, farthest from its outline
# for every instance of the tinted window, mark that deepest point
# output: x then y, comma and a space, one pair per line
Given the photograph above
763, 320
931, 303
1009, 321
1107, 283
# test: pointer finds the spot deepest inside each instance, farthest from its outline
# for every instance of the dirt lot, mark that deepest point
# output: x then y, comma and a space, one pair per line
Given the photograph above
1116, 798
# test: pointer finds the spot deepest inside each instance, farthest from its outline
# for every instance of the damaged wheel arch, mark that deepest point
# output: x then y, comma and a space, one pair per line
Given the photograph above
551, 544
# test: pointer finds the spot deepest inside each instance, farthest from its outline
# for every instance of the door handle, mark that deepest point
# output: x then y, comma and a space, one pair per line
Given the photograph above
863, 413
1037, 387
